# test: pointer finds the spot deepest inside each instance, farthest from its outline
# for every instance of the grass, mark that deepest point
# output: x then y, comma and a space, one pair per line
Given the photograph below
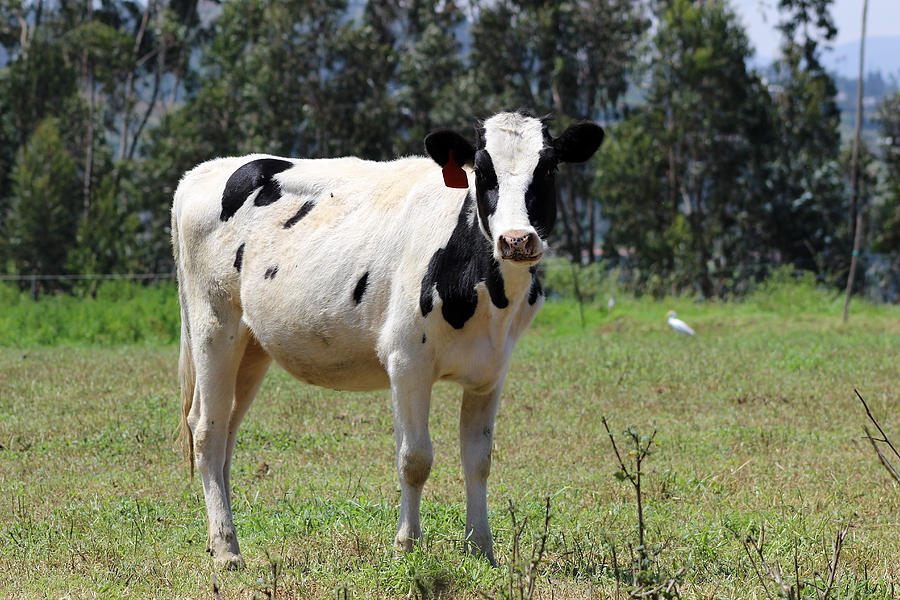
757, 428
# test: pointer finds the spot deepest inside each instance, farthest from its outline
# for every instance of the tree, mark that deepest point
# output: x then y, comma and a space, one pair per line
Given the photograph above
885, 213
429, 72
44, 209
105, 242
700, 144
650, 240
807, 221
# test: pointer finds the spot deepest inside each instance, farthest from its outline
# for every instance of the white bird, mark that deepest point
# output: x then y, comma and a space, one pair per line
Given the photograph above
679, 325
611, 304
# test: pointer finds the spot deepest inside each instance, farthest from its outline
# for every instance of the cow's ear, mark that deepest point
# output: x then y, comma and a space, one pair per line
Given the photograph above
579, 142
451, 151
439, 143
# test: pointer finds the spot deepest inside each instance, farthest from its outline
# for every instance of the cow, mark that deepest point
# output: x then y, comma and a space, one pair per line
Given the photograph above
363, 275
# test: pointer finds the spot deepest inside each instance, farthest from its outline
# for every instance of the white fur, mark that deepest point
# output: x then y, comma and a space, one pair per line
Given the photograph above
386, 219
514, 142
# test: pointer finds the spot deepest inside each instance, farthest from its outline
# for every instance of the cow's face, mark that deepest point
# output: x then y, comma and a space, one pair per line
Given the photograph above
515, 160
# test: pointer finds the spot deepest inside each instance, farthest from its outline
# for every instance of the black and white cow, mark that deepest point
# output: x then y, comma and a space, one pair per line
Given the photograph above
359, 275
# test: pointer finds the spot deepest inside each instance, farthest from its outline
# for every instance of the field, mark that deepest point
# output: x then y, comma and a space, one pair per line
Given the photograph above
757, 429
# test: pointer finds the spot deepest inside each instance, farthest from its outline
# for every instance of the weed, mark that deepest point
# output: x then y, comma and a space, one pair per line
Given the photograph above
647, 575
523, 570
774, 572
886, 463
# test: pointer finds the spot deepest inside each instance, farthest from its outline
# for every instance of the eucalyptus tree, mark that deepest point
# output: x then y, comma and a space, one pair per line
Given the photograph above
808, 223
44, 207
700, 141
885, 216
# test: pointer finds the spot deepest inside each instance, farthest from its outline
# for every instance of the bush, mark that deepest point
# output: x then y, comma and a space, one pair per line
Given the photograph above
121, 313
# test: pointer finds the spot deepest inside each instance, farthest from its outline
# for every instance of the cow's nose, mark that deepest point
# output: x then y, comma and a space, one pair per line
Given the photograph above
518, 244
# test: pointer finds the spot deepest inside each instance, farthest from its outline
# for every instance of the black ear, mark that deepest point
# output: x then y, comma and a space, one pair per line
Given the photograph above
439, 143
579, 142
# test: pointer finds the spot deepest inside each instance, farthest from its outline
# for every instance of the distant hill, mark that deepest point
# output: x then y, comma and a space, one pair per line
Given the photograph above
882, 77
882, 54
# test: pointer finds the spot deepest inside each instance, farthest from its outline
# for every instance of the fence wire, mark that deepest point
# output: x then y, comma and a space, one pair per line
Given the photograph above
88, 276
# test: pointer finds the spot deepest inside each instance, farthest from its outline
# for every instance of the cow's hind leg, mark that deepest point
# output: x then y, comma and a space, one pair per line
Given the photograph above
476, 434
253, 366
217, 354
411, 399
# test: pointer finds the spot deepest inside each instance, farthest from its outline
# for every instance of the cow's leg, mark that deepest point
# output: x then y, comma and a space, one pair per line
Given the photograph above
250, 374
411, 399
476, 433
217, 353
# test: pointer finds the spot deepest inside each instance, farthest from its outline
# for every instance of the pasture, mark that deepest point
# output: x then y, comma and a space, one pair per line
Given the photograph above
757, 429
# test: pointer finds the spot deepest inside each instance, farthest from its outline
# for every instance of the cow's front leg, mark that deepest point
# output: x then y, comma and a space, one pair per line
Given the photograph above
411, 398
476, 435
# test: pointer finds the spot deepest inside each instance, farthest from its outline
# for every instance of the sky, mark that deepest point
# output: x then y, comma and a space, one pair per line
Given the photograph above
761, 16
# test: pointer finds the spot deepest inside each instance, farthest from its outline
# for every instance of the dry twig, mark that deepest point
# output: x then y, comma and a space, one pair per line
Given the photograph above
891, 469
773, 571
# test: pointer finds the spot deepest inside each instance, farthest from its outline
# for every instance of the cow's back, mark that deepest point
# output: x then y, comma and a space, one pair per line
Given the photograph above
326, 268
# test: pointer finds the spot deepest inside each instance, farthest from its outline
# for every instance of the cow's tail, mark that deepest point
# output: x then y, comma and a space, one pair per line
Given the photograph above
186, 374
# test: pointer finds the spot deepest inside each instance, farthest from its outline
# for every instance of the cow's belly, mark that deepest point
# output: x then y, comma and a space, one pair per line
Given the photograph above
339, 372
340, 362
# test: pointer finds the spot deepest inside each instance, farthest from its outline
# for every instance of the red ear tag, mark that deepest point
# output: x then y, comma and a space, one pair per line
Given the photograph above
454, 176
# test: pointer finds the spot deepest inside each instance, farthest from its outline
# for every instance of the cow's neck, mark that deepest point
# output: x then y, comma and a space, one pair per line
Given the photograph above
456, 269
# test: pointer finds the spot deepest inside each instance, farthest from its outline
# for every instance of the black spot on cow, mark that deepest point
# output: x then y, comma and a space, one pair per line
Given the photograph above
457, 268
424, 339
535, 290
256, 174
487, 190
540, 197
360, 288
302, 212
270, 272
239, 258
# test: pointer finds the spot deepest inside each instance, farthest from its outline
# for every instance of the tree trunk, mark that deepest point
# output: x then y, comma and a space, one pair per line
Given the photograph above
854, 171
591, 228
129, 85
576, 225
672, 177
157, 80
567, 228
89, 142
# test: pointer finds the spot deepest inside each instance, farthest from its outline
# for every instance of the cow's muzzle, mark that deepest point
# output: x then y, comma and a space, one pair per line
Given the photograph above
520, 246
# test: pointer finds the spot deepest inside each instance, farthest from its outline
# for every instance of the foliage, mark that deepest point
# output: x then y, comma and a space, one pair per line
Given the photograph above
886, 217
43, 215
712, 174
119, 312
808, 220
103, 242
680, 179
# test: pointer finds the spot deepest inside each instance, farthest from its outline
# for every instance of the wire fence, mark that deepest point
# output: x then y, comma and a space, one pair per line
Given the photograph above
87, 276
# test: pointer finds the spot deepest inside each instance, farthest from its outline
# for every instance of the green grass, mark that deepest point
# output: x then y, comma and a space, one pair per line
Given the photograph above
757, 427
119, 313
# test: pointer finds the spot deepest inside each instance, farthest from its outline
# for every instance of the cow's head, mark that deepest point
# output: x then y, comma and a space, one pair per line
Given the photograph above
515, 160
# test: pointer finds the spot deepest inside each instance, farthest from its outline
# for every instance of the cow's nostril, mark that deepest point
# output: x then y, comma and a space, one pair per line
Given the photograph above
518, 244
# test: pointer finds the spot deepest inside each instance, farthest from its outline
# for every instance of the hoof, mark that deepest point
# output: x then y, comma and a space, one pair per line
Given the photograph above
229, 561
404, 545
488, 556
